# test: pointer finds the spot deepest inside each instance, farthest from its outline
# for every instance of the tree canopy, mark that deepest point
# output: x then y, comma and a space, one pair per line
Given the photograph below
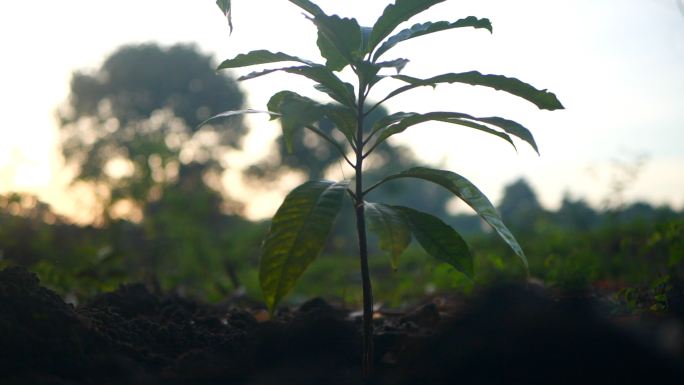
131, 125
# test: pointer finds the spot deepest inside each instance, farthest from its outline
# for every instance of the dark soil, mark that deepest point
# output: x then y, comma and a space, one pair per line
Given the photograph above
505, 335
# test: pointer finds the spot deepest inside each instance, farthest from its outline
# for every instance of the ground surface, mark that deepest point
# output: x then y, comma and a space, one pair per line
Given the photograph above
505, 335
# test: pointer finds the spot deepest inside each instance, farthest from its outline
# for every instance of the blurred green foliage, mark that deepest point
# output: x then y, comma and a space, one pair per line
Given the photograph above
635, 252
191, 239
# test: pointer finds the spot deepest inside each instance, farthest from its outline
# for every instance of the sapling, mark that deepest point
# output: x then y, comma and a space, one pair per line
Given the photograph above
301, 225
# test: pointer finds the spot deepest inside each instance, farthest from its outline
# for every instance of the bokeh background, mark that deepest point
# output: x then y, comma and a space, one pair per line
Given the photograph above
104, 177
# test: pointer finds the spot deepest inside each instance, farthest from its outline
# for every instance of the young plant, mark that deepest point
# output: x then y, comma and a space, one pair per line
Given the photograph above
302, 223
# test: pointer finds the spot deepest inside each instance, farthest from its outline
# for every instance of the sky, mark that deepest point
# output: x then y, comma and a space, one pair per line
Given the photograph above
616, 65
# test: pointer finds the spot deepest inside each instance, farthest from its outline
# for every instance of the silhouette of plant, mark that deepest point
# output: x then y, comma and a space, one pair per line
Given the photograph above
300, 226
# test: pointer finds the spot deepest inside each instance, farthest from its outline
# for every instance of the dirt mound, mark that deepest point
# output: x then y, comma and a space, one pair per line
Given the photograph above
506, 335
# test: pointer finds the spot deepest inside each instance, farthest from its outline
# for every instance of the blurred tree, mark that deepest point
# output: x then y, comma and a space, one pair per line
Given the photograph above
129, 126
519, 206
131, 130
576, 215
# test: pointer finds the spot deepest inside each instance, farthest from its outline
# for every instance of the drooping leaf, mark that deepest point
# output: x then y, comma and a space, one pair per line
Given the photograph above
260, 57
543, 99
326, 79
439, 240
471, 195
227, 114
344, 120
427, 28
398, 122
390, 227
395, 14
297, 235
224, 5
340, 40
297, 111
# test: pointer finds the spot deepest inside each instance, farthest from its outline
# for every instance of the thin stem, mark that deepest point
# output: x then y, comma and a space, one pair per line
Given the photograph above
351, 193
331, 141
369, 137
367, 358
376, 144
373, 187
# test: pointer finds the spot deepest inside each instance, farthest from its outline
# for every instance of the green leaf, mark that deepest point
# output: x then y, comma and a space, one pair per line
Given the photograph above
260, 57
429, 27
224, 5
297, 111
297, 235
344, 120
340, 40
471, 195
541, 98
326, 79
398, 122
439, 239
395, 14
390, 227
227, 114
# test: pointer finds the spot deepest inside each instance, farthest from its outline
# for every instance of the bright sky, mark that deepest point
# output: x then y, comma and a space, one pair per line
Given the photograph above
617, 66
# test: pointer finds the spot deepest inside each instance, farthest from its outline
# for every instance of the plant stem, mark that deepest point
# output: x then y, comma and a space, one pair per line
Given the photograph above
367, 358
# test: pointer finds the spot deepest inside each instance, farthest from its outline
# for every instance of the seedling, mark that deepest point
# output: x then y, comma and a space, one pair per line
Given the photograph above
301, 225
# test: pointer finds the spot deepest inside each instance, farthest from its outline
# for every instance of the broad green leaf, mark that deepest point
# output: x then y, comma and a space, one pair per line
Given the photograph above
541, 98
297, 112
439, 239
429, 27
224, 5
326, 79
297, 235
471, 195
390, 227
396, 123
227, 114
395, 14
260, 57
339, 40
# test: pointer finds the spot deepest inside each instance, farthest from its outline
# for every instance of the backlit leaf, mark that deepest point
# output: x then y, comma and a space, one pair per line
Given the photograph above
543, 99
390, 227
471, 195
297, 235
326, 79
260, 57
439, 240
398, 122
395, 14
224, 5
340, 40
429, 27
297, 111
227, 114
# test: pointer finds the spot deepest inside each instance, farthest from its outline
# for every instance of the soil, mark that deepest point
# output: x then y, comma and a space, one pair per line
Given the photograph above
510, 334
